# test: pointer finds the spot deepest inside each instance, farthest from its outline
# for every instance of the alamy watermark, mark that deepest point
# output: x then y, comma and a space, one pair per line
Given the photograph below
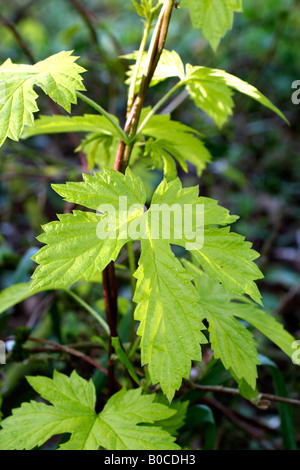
162, 221
296, 94
2, 353
296, 354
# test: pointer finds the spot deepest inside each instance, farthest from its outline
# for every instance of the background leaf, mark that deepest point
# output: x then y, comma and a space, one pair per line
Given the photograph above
169, 316
72, 411
74, 248
60, 124
58, 76
211, 90
15, 294
214, 17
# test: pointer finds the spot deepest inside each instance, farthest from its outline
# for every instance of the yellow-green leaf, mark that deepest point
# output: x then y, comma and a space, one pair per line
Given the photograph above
58, 76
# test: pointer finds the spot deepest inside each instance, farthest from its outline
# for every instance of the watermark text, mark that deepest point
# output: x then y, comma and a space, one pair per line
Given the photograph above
2, 353
296, 354
162, 221
296, 94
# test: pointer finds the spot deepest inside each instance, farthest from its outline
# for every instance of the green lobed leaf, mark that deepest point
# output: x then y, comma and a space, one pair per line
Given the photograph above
139, 7
173, 194
58, 76
168, 304
173, 424
121, 418
60, 124
73, 248
176, 139
169, 315
210, 94
104, 188
145, 9
100, 150
214, 17
224, 255
15, 294
231, 341
166, 137
266, 324
169, 65
228, 258
73, 399
211, 90
100, 144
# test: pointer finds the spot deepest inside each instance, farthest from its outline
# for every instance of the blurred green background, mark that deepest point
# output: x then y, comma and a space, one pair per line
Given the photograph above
255, 172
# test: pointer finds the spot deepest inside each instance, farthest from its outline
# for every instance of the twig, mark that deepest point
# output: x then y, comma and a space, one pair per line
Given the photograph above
18, 38
86, 15
255, 433
37, 176
88, 345
73, 352
114, 67
45, 349
111, 310
289, 296
257, 423
90, 17
21, 11
236, 392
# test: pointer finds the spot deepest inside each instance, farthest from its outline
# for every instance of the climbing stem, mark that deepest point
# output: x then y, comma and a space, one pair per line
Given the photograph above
122, 160
154, 52
137, 67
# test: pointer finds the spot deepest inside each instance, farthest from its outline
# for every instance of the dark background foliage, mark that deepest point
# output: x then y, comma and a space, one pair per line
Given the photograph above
255, 172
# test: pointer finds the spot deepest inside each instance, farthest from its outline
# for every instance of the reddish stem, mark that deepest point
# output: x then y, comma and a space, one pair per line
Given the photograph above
122, 160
